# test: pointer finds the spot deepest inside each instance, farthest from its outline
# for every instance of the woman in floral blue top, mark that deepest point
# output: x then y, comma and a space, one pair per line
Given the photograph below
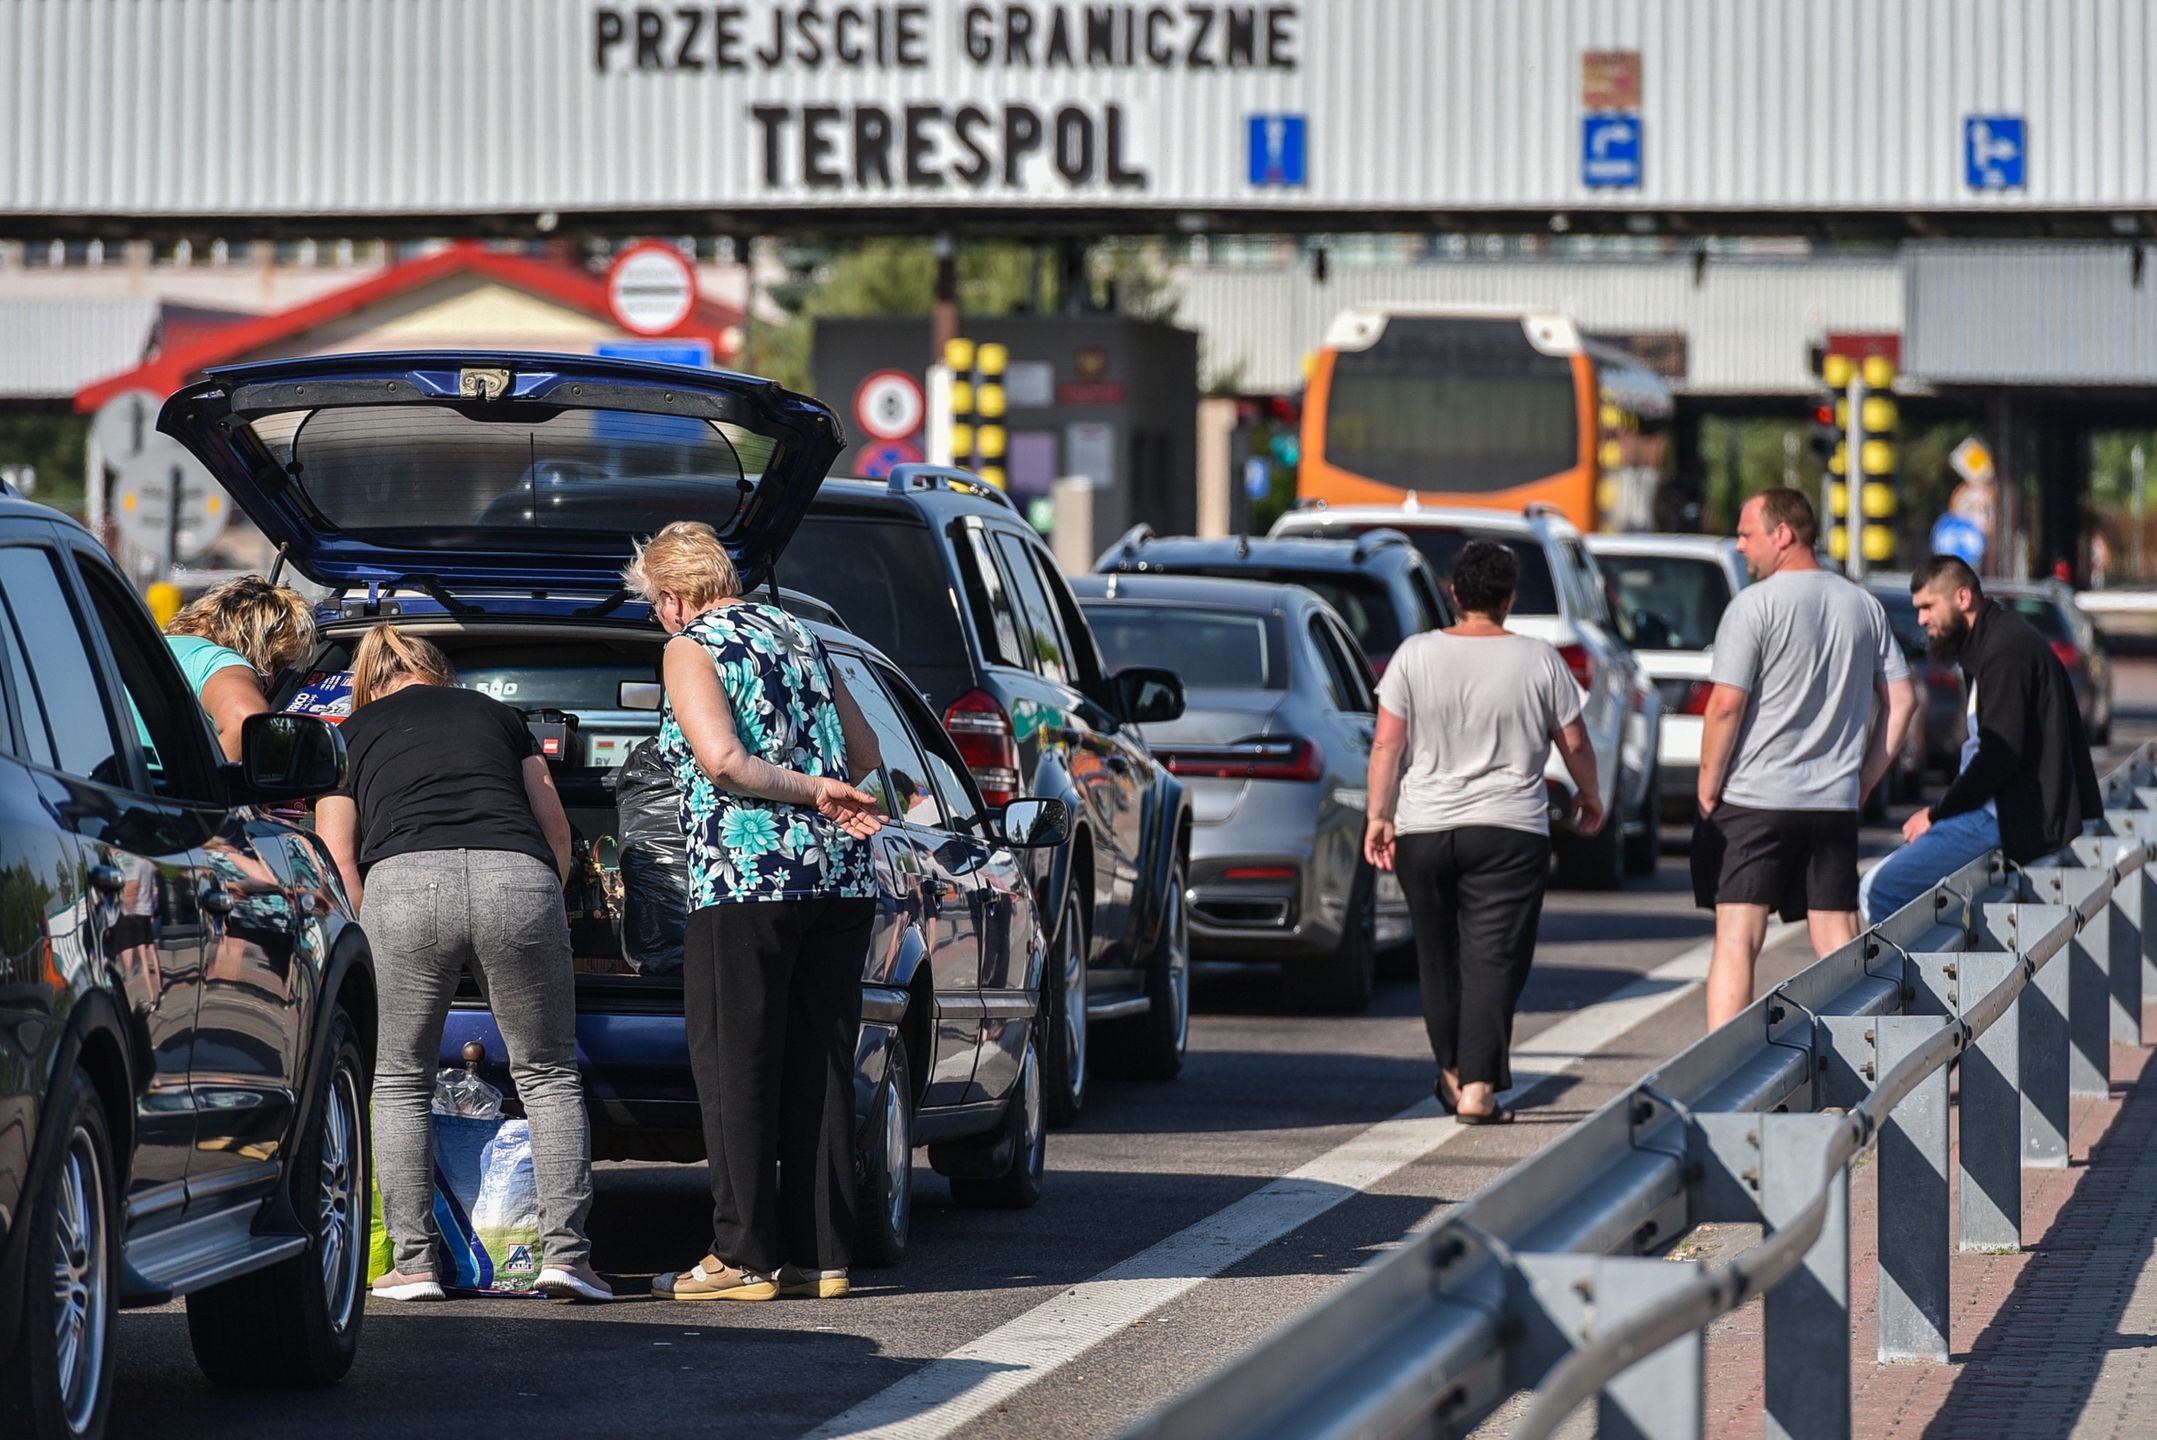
766, 745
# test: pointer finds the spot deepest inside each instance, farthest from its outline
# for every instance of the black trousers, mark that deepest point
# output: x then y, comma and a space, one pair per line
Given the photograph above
1475, 895
771, 992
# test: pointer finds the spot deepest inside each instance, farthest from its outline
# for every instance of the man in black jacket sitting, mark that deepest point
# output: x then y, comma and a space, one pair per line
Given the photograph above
2027, 784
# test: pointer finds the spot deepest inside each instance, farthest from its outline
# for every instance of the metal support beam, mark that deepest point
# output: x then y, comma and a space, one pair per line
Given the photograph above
1913, 1203
1991, 1134
1807, 1318
1568, 1298
2043, 1043
2089, 1009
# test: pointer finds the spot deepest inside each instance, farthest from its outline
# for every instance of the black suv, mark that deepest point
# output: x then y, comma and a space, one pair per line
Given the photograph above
937, 569
1378, 582
187, 1015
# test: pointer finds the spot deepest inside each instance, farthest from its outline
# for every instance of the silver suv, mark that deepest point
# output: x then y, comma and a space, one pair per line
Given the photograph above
1564, 599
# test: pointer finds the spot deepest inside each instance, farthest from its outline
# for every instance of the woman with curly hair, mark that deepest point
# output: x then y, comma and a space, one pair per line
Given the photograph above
232, 641
766, 745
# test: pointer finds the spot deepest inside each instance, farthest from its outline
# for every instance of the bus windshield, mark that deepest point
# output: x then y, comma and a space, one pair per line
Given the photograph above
1452, 404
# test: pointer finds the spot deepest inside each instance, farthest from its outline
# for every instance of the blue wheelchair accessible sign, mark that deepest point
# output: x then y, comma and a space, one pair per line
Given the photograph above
1610, 151
1994, 148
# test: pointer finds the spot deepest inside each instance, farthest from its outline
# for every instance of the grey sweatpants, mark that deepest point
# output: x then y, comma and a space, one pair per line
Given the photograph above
427, 916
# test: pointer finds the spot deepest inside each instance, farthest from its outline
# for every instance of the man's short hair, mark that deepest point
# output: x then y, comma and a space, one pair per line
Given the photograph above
1484, 576
1946, 573
1781, 505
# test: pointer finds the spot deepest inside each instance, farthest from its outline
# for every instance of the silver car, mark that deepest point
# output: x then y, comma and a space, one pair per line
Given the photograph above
1274, 746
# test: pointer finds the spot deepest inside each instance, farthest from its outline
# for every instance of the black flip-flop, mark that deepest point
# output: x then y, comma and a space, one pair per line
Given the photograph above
1451, 1107
1499, 1116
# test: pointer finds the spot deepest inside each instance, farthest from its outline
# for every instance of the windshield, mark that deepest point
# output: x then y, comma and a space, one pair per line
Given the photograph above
1361, 600
885, 578
434, 473
1447, 404
1536, 594
1209, 649
1686, 595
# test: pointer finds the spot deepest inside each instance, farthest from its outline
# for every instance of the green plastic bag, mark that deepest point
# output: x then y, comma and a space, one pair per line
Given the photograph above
381, 1255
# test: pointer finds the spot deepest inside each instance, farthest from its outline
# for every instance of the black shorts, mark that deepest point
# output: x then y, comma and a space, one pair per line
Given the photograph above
1792, 861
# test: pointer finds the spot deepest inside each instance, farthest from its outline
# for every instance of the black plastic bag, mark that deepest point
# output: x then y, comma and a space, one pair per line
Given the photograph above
654, 862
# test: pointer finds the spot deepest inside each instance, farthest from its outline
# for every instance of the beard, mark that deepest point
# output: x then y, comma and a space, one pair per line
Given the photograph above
1946, 647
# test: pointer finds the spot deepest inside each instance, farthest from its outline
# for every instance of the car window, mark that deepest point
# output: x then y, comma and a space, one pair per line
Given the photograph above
64, 686
1330, 674
27, 736
901, 788
2045, 616
169, 722
1356, 670
1208, 649
1430, 610
1048, 650
886, 579
1686, 594
948, 775
994, 620
1535, 594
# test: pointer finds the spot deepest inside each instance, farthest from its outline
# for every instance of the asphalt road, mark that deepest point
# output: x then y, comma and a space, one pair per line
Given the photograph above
1172, 1194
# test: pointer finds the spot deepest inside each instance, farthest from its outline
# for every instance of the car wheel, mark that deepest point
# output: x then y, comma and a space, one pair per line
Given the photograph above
59, 1381
1151, 1046
1644, 847
1021, 1143
1341, 982
296, 1324
1594, 862
887, 1169
1064, 993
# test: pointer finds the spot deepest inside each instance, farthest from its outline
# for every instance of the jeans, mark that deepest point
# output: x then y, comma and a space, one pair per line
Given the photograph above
1933, 856
428, 915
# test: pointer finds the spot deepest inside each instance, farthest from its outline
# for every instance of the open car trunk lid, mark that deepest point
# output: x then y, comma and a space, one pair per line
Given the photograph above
480, 469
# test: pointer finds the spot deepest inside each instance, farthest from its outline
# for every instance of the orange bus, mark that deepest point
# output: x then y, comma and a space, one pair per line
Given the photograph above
1487, 407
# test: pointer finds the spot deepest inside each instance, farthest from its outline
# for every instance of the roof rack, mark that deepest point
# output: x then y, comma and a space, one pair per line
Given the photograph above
1132, 541
946, 477
1543, 510
1372, 541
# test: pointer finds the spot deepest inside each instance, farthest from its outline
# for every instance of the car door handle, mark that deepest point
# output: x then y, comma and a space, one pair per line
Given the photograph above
107, 878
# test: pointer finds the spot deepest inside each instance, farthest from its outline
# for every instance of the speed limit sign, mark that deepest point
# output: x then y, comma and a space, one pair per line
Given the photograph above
889, 405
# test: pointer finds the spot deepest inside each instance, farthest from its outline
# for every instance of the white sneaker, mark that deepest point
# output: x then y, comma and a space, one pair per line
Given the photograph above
398, 1286
581, 1282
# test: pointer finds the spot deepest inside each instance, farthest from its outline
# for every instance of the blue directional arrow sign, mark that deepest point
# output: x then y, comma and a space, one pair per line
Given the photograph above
1994, 148
1610, 151
1277, 149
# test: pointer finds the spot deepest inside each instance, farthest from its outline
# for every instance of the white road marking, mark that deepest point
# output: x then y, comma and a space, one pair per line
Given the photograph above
944, 1395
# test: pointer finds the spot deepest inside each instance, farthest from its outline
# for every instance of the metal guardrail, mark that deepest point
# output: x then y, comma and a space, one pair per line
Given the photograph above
2018, 977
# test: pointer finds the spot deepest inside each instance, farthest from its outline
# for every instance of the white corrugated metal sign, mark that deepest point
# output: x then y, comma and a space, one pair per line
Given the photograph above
420, 107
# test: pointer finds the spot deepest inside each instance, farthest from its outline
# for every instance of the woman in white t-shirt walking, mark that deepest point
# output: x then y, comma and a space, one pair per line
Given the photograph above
1466, 716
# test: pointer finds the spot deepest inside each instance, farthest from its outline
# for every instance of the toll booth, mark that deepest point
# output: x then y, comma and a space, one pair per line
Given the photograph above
1106, 397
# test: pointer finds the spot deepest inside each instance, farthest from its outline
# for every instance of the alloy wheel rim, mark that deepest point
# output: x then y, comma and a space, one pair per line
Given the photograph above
337, 1202
1074, 978
1036, 1124
79, 1280
1179, 961
898, 1158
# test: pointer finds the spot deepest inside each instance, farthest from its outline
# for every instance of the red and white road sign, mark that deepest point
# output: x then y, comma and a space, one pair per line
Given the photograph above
890, 405
651, 288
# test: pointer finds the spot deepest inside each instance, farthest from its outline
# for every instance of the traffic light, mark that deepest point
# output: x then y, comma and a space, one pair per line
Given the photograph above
1877, 462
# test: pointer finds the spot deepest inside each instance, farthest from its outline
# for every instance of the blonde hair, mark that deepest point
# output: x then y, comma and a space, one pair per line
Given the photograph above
388, 655
271, 625
686, 558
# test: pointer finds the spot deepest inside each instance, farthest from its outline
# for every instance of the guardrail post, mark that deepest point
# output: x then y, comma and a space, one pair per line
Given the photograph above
1913, 1202
1660, 1397
2130, 955
1991, 1135
1806, 1321
2044, 1042
2089, 1009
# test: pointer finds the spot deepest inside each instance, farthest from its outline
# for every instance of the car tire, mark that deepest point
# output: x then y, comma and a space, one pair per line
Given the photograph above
1020, 1144
886, 1218
1594, 862
296, 1324
59, 1380
1644, 847
1063, 995
1341, 982
1151, 1046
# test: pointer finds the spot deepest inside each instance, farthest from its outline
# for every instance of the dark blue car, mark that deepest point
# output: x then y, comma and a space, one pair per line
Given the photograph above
488, 502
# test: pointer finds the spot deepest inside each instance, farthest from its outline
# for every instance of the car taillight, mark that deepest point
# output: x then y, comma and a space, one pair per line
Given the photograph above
1943, 677
1276, 757
988, 745
1259, 872
1696, 699
1378, 667
2070, 654
1581, 663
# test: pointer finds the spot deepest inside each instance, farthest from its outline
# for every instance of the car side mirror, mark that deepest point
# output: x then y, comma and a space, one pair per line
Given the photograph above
1148, 695
639, 695
1036, 824
290, 757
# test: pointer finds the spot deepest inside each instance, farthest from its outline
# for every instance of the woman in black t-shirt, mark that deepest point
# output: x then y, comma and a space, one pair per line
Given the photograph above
454, 846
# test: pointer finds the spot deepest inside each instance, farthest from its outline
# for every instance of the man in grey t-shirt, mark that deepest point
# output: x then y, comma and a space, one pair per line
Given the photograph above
1789, 751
